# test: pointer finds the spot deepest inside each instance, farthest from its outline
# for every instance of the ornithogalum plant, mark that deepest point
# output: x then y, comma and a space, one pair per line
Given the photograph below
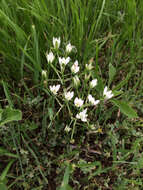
77, 87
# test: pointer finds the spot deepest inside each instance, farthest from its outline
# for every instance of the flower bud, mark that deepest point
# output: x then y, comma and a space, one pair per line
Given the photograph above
87, 77
50, 57
44, 74
76, 81
69, 47
89, 66
56, 42
72, 141
67, 129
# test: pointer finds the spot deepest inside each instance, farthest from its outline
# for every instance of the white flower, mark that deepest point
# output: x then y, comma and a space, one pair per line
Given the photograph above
107, 93
55, 88
75, 67
89, 66
64, 61
92, 100
67, 128
44, 73
56, 42
50, 57
93, 83
69, 47
82, 115
76, 81
78, 102
69, 95
96, 102
22, 151
87, 77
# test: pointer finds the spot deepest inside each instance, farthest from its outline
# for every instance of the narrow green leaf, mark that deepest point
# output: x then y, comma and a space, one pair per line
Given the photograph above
1, 110
36, 159
123, 82
112, 73
66, 176
18, 31
50, 113
125, 108
5, 171
7, 153
65, 181
7, 93
117, 93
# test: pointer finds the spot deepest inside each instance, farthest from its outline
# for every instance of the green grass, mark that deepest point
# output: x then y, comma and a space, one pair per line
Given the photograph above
36, 153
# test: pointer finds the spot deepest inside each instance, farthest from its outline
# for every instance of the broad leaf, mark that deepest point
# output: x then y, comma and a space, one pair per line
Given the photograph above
125, 108
3, 186
7, 115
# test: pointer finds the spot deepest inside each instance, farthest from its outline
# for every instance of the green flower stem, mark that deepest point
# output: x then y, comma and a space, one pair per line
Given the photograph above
67, 104
57, 74
74, 125
62, 71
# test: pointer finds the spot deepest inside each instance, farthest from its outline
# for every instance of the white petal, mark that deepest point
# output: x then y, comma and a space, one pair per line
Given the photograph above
105, 90
96, 102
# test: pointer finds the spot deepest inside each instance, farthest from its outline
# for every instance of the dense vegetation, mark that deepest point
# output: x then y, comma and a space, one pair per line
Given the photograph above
49, 140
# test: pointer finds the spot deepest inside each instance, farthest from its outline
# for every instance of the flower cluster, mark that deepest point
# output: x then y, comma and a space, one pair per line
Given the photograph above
80, 103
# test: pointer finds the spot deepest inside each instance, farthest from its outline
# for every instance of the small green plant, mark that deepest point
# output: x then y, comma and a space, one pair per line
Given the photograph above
81, 82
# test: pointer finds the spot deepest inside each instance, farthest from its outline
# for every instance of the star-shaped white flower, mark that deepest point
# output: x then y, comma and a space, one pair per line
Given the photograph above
82, 116
107, 93
64, 61
92, 100
55, 88
69, 95
78, 102
93, 83
75, 67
